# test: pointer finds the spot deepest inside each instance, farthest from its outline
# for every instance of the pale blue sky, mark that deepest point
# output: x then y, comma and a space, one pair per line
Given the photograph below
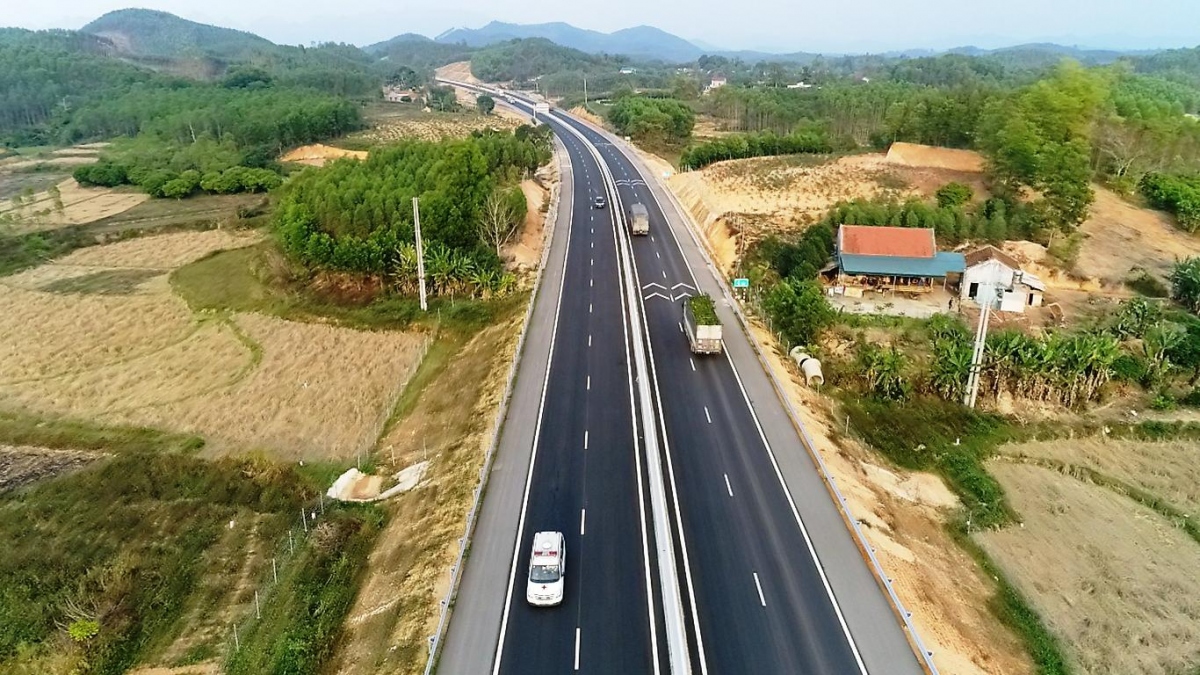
776, 25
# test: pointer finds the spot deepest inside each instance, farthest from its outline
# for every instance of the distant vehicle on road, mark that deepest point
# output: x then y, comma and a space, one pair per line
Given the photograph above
598, 202
639, 219
541, 108
547, 569
702, 326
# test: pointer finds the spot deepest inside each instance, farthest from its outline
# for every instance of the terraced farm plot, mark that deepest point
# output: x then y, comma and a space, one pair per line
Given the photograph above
1115, 581
100, 335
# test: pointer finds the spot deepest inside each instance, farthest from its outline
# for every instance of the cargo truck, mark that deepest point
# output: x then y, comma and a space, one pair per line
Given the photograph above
639, 219
701, 325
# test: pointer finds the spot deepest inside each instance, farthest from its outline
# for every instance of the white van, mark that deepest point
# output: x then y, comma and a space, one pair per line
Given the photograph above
547, 567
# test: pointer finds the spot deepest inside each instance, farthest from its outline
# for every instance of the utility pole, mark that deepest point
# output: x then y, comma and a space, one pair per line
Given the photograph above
420, 252
985, 309
585, 101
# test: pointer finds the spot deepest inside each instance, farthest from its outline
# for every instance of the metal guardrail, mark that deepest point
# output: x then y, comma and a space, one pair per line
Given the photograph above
880, 575
435, 640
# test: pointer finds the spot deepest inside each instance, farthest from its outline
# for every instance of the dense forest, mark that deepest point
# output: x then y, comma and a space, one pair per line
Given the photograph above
357, 217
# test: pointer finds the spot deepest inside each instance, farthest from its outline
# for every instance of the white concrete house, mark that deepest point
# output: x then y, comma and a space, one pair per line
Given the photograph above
993, 275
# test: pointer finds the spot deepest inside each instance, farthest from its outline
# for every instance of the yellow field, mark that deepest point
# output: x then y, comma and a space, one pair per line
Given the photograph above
79, 205
1116, 582
100, 335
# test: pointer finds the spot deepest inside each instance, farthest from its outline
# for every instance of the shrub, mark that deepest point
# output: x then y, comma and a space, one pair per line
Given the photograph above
741, 146
954, 194
703, 310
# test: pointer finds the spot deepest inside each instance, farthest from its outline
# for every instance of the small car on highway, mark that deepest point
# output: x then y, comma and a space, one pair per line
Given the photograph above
547, 568
598, 202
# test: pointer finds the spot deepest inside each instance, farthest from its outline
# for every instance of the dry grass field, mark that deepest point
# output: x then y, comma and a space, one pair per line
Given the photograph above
1170, 470
1116, 582
80, 205
100, 335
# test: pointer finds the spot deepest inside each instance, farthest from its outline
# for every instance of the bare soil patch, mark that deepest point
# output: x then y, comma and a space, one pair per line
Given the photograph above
317, 154
1112, 579
931, 157
459, 71
1122, 236
21, 465
763, 195
904, 515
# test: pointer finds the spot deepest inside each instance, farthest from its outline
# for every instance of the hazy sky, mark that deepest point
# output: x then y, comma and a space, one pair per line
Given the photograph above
776, 25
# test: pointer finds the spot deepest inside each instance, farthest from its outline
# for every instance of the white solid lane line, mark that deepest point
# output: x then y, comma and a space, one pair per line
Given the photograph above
728, 487
582, 521
706, 415
757, 585
577, 647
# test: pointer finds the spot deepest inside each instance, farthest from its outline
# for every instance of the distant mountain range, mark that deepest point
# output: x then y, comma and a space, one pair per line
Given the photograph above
155, 34
643, 42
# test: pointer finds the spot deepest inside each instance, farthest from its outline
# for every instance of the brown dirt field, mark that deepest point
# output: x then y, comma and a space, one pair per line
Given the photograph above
904, 516
1122, 236
1169, 470
318, 154
21, 465
1112, 579
585, 114
408, 574
780, 194
460, 71
80, 205
931, 157
141, 357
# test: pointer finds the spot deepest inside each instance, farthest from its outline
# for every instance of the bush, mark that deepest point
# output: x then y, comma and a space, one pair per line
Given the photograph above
799, 309
101, 174
1163, 401
1185, 284
1129, 368
1147, 284
703, 310
1176, 193
954, 194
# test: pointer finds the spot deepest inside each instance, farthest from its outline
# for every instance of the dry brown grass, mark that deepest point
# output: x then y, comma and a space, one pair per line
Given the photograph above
1170, 470
397, 607
1112, 579
141, 357
432, 126
1122, 236
317, 154
80, 205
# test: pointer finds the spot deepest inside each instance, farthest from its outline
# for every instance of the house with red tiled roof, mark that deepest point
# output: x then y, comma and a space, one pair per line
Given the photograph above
893, 259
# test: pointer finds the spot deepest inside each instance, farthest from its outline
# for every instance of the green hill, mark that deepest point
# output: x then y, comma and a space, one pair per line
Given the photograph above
149, 33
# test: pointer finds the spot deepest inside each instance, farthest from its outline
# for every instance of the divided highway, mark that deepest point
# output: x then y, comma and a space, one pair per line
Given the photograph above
753, 592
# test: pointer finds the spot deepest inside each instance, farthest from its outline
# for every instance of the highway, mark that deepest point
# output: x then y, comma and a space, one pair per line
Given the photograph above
753, 592
585, 476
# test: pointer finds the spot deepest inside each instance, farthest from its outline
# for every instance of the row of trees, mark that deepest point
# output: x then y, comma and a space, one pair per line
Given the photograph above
953, 218
741, 146
1177, 193
653, 120
357, 217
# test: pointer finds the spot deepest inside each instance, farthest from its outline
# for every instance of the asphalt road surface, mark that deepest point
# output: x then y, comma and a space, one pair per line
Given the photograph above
757, 598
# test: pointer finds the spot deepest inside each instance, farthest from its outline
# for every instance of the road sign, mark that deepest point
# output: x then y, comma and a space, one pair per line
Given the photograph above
741, 283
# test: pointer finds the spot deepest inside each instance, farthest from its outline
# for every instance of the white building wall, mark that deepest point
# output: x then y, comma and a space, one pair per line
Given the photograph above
990, 274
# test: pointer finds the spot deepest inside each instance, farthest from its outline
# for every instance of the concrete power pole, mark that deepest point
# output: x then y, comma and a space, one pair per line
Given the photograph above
985, 310
585, 101
420, 252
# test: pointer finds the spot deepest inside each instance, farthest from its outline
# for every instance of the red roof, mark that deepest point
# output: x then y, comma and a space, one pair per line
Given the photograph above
903, 242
